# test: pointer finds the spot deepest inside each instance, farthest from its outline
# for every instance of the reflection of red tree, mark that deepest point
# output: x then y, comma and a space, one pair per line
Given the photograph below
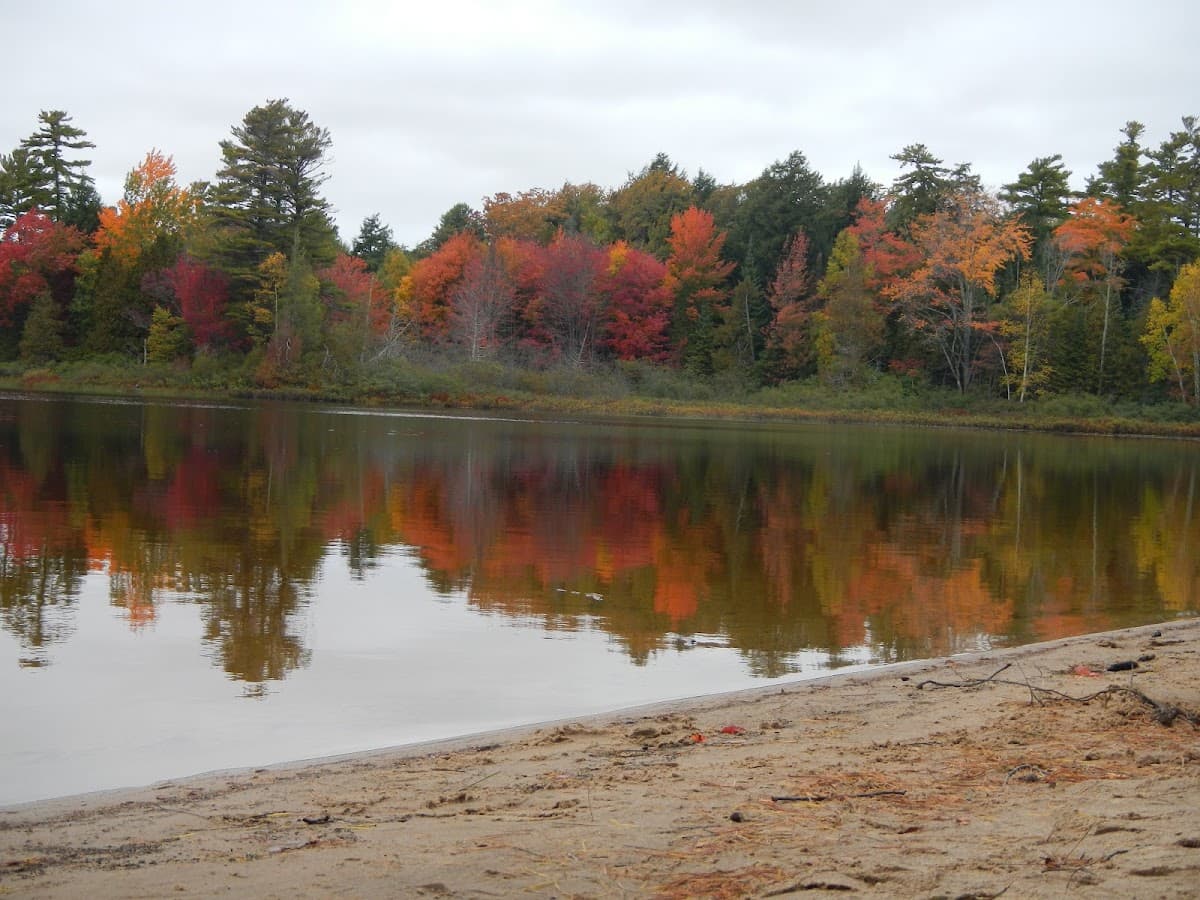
33, 521
194, 493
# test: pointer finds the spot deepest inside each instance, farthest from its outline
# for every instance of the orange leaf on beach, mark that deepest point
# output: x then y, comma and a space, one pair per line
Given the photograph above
697, 738
1084, 671
733, 729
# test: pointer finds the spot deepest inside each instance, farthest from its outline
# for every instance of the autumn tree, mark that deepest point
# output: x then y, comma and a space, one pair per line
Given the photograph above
202, 294
961, 247
643, 208
695, 279
432, 283
791, 332
1091, 241
1025, 326
569, 312
1172, 335
479, 303
38, 259
851, 328
357, 312
154, 210
638, 306
535, 215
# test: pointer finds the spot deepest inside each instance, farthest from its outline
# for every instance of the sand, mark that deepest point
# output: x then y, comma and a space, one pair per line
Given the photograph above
876, 784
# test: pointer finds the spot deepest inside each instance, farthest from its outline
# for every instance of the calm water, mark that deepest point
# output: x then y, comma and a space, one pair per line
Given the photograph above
189, 588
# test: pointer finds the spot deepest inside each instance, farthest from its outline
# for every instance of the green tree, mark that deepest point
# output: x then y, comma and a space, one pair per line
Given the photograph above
42, 337
22, 185
1168, 233
1040, 197
457, 219
374, 242
67, 193
852, 315
641, 210
788, 197
267, 197
926, 186
1122, 178
168, 338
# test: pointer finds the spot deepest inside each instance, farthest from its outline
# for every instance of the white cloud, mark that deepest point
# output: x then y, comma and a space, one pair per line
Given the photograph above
432, 104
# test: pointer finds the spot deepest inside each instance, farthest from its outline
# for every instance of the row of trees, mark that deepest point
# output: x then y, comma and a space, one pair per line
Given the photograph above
1032, 289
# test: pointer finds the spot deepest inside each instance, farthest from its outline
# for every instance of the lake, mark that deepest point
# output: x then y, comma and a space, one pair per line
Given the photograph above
191, 587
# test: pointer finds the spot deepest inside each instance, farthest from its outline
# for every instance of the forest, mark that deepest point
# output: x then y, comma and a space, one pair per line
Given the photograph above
243, 284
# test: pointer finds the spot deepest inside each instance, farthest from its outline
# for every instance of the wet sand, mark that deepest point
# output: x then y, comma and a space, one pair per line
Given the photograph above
1029, 772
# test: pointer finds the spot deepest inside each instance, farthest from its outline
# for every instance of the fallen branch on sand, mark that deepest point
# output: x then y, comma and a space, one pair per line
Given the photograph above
1164, 713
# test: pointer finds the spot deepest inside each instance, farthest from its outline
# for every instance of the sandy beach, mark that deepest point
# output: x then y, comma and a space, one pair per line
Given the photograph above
1027, 772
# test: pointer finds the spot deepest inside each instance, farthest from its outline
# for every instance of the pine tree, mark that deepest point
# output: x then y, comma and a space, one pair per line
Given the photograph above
66, 187
267, 197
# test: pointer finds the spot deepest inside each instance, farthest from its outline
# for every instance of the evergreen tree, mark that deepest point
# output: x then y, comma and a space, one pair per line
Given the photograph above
22, 185
788, 197
42, 337
66, 188
374, 242
457, 219
267, 196
926, 186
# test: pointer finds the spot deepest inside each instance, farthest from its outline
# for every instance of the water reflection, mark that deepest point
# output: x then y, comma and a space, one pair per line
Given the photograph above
771, 540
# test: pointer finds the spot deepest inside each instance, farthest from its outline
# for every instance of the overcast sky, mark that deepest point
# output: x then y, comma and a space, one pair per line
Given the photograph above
431, 104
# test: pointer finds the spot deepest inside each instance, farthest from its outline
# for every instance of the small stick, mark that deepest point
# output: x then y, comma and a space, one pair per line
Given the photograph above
821, 798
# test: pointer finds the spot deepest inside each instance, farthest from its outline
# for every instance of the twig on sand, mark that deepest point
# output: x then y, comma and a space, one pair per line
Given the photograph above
821, 798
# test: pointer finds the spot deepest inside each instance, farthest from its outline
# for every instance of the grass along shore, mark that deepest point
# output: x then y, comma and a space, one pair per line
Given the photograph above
623, 390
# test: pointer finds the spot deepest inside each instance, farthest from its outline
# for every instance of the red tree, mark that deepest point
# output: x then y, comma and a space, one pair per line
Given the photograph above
569, 311
639, 305
202, 294
433, 280
37, 256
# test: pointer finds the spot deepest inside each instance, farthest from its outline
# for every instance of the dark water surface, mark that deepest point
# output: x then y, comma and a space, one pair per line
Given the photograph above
188, 588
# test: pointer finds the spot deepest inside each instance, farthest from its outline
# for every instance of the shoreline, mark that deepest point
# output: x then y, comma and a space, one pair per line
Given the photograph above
649, 409
894, 790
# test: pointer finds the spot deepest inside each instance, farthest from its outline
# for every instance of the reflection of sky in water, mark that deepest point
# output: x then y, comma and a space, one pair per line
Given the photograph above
390, 664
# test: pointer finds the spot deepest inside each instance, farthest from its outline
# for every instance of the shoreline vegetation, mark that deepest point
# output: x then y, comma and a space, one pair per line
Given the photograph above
630, 390
1031, 770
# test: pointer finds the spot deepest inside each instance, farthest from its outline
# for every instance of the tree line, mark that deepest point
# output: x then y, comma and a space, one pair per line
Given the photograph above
1030, 290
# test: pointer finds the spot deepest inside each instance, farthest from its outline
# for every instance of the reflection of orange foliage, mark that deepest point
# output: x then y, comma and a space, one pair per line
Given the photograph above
920, 602
684, 565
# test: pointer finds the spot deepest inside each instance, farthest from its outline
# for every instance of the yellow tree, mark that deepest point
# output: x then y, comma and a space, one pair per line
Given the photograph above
1026, 328
961, 249
1172, 335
